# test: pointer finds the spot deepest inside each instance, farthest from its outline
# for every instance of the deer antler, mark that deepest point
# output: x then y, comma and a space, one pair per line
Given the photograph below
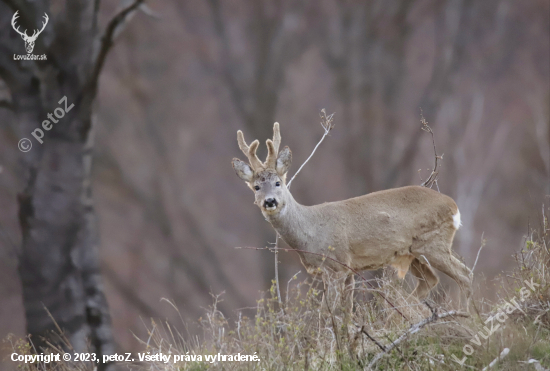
13, 19
273, 147
272, 150
46, 19
250, 152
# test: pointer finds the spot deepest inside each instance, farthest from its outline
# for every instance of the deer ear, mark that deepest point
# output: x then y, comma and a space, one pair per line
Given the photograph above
243, 170
283, 161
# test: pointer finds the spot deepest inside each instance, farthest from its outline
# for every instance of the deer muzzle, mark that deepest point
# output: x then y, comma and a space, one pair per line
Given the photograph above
270, 204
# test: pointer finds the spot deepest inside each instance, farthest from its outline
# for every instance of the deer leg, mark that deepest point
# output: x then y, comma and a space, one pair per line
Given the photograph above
434, 249
455, 269
425, 277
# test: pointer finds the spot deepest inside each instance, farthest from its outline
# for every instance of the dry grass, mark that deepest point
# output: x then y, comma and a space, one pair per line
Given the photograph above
304, 334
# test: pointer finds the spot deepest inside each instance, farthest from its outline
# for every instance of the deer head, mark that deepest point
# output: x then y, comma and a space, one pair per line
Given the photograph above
267, 179
29, 40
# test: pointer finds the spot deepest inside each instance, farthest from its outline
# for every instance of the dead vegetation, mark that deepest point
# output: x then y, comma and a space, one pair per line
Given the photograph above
301, 334
309, 329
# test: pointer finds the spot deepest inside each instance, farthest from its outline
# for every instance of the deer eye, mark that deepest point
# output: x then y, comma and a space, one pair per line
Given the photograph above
278, 184
257, 188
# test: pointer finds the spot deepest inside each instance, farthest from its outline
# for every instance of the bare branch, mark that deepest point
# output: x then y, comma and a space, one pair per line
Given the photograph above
432, 179
114, 27
383, 348
414, 328
502, 354
479, 251
277, 270
288, 283
327, 122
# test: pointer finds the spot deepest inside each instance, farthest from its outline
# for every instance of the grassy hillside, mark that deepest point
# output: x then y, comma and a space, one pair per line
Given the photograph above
385, 330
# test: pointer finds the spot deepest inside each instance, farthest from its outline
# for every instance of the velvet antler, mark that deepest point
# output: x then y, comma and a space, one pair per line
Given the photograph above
250, 151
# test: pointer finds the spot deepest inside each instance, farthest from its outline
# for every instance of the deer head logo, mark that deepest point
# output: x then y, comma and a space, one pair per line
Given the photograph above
29, 40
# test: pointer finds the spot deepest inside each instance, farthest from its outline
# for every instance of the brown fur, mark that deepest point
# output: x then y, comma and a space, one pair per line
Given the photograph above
402, 263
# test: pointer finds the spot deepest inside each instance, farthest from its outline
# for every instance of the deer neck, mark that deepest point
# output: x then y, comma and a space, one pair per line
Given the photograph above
292, 223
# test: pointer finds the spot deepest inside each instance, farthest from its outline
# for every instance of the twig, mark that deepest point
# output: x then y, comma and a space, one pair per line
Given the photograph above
503, 354
383, 348
433, 310
435, 172
414, 328
335, 331
327, 122
60, 333
334, 260
288, 284
277, 271
107, 40
538, 367
481, 247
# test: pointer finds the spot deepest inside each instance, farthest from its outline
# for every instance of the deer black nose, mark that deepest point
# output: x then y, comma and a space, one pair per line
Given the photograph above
270, 202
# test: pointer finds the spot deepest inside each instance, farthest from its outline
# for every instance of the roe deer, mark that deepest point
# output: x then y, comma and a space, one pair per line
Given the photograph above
404, 227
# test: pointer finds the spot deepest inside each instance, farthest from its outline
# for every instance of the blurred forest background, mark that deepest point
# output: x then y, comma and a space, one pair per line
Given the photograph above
181, 81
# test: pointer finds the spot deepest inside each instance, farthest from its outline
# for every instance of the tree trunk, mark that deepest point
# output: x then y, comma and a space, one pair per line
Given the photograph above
59, 259
59, 263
